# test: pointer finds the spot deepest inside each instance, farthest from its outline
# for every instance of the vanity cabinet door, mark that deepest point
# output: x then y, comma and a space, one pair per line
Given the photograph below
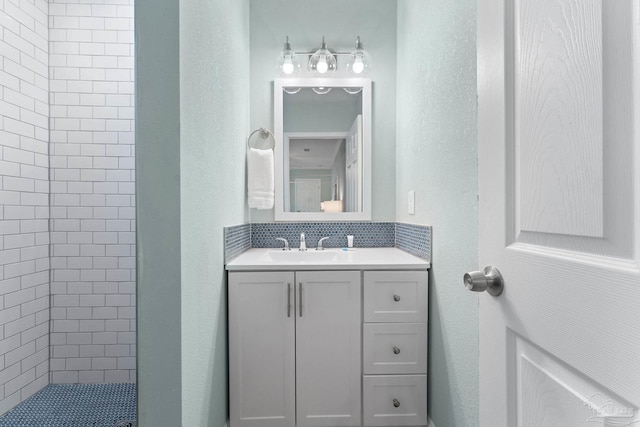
261, 349
328, 343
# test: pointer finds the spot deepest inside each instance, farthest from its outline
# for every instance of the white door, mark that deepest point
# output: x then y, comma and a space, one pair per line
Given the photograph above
261, 349
559, 183
353, 146
328, 359
307, 195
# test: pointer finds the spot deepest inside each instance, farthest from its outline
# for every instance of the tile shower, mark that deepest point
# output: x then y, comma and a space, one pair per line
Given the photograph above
67, 202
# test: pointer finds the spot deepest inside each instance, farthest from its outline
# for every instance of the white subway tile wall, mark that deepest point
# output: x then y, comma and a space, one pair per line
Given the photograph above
24, 200
92, 191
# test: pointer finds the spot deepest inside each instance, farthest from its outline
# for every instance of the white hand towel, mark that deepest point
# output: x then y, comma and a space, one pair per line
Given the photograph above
260, 177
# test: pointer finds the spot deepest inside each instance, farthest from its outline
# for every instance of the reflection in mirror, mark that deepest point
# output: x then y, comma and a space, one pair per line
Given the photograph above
317, 172
322, 149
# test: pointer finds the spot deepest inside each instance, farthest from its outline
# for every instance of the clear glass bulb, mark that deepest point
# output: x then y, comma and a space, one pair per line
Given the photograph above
321, 90
359, 60
287, 66
322, 61
322, 65
358, 65
287, 62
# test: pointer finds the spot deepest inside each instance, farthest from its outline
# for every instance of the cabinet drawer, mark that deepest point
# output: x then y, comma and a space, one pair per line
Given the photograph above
395, 348
395, 400
395, 296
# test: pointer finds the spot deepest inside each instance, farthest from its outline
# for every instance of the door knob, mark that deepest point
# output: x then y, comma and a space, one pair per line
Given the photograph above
489, 280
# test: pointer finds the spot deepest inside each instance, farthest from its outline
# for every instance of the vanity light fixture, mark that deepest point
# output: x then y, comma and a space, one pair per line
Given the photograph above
359, 59
291, 90
288, 62
352, 90
321, 90
323, 61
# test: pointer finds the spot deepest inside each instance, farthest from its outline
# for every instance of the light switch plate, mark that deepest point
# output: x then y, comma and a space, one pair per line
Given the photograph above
412, 203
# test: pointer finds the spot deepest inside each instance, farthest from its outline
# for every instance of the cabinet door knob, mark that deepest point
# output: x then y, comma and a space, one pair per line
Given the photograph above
396, 298
396, 350
396, 403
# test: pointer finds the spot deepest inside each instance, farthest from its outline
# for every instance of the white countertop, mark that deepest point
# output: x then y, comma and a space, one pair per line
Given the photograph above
329, 259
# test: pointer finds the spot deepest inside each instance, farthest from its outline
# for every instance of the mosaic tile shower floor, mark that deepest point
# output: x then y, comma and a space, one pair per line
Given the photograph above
76, 405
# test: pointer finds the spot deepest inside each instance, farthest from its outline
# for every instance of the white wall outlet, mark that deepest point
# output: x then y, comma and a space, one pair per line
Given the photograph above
411, 206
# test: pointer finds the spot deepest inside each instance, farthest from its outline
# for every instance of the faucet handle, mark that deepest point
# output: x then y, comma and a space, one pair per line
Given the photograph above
320, 247
286, 244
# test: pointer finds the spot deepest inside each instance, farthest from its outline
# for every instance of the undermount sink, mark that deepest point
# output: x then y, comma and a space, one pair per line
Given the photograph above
296, 256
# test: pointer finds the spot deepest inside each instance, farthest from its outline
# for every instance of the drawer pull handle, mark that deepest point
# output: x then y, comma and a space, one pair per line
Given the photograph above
396, 298
396, 350
396, 403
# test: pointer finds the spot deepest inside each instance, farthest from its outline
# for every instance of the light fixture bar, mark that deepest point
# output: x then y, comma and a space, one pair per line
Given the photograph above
323, 60
332, 52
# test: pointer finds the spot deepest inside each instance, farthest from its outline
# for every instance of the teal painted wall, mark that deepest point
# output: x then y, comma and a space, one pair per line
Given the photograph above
305, 22
214, 124
192, 119
158, 212
337, 116
437, 157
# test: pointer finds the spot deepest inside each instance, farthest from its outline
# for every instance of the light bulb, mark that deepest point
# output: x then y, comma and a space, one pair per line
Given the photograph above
287, 66
358, 65
322, 61
322, 65
287, 62
359, 59
321, 90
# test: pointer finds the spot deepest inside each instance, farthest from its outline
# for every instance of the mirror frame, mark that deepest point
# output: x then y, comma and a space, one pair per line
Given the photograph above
278, 127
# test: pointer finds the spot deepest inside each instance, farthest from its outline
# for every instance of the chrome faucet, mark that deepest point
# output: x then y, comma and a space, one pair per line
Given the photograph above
286, 244
319, 247
303, 243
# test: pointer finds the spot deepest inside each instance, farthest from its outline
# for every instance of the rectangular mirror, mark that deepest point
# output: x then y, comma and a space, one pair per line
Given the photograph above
322, 128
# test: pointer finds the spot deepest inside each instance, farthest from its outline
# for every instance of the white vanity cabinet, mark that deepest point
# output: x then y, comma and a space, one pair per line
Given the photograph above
295, 348
328, 338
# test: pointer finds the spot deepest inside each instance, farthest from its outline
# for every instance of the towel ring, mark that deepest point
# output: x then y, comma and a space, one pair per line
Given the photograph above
268, 142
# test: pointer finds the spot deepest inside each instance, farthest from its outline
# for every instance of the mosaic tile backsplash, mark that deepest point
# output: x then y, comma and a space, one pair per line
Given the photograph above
237, 239
415, 239
365, 234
